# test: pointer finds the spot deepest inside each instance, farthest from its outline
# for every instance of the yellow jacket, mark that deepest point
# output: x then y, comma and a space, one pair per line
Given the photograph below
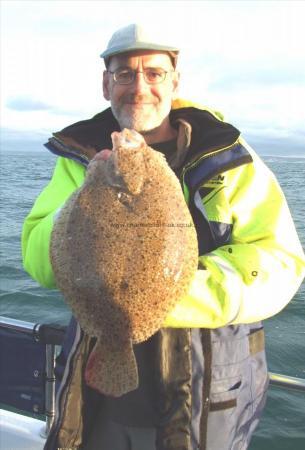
250, 278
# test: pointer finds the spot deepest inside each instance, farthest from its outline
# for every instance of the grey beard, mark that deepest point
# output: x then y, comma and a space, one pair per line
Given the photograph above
135, 123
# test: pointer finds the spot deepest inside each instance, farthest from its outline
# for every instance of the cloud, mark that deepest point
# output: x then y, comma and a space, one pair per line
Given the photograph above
265, 144
8, 135
231, 59
265, 76
27, 104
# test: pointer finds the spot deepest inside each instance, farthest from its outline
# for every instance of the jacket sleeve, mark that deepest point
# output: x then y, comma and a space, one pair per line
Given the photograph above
68, 176
258, 273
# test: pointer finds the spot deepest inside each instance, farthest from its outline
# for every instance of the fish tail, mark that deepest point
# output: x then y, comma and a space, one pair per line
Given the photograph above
112, 370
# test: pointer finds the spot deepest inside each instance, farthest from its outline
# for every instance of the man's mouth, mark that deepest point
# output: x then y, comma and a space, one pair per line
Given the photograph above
138, 103
137, 100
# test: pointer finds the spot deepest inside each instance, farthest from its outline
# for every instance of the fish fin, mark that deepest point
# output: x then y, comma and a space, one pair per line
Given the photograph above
112, 370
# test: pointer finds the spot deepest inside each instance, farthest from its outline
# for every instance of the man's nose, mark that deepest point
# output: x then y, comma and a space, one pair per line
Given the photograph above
139, 83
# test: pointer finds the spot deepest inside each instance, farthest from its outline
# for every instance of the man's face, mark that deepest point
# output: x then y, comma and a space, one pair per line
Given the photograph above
141, 106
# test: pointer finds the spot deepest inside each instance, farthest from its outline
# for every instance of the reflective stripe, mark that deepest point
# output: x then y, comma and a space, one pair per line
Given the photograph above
220, 406
257, 341
200, 206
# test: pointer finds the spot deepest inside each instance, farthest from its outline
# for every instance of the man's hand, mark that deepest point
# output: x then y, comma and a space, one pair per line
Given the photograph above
103, 155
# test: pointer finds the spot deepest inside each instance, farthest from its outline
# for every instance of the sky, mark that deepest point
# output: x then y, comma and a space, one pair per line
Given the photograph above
243, 58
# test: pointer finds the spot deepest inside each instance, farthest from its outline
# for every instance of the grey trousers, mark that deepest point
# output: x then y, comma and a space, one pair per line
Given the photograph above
108, 435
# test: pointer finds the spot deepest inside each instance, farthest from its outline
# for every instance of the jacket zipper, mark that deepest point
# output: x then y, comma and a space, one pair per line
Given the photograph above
194, 164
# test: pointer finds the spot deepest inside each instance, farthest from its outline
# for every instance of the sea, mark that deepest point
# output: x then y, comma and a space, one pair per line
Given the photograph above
23, 174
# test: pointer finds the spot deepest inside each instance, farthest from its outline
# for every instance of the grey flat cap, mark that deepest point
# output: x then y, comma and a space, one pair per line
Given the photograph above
135, 37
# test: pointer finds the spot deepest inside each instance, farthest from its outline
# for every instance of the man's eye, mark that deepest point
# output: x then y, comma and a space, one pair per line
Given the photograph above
124, 75
154, 74
124, 72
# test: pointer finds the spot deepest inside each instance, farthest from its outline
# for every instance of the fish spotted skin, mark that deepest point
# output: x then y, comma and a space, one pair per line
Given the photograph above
124, 251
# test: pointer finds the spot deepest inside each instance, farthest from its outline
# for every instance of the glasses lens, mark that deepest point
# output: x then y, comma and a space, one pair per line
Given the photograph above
124, 76
154, 76
151, 75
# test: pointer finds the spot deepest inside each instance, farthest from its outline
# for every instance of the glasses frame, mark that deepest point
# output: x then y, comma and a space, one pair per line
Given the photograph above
135, 72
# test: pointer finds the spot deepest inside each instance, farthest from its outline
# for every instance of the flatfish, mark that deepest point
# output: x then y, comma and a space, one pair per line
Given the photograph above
124, 251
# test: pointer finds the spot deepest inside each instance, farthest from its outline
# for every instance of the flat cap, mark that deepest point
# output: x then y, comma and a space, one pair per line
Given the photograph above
136, 37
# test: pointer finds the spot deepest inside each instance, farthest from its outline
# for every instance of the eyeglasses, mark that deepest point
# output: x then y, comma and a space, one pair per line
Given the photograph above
127, 76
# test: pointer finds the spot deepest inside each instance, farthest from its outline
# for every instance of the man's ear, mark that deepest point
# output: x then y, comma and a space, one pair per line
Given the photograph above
176, 80
106, 81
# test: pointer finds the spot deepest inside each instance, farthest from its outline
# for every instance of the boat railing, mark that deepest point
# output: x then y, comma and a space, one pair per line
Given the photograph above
287, 382
51, 337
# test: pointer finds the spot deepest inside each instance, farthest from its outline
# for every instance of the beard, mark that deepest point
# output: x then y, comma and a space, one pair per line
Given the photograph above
139, 113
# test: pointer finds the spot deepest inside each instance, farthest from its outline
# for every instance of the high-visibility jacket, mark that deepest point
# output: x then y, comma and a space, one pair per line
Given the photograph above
250, 265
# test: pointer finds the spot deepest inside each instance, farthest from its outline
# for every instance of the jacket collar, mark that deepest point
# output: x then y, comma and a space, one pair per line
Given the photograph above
199, 132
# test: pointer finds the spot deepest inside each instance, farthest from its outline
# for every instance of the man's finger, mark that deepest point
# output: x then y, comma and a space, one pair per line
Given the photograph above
103, 154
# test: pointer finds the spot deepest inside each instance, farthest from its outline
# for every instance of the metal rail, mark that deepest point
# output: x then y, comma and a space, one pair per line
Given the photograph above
50, 387
284, 381
51, 336
17, 325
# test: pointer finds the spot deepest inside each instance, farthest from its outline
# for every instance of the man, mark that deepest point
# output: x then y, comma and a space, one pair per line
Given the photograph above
203, 376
